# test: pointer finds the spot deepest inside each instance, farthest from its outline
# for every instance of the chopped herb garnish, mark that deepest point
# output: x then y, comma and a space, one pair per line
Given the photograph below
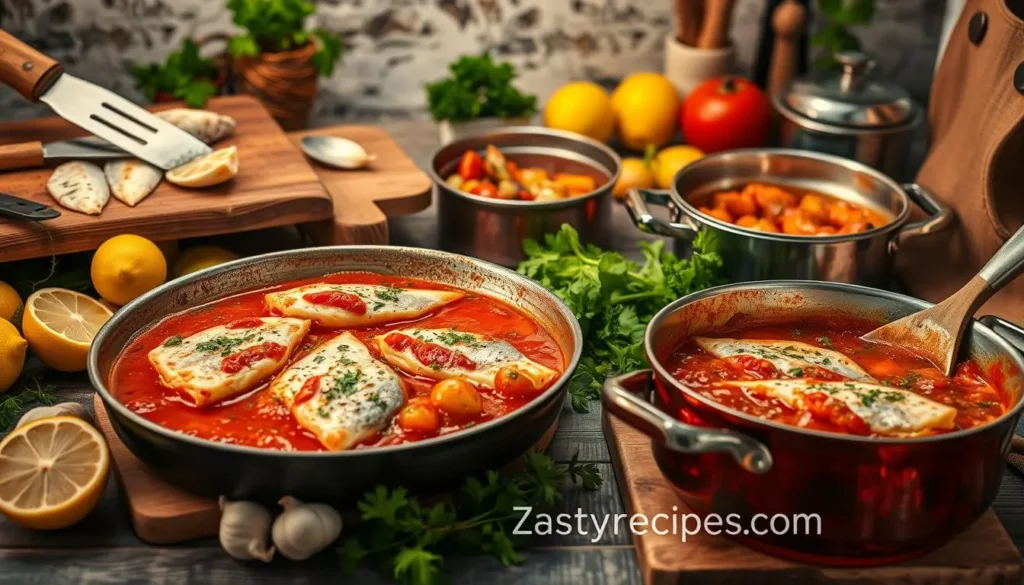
223, 344
869, 398
173, 341
319, 359
825, 341
346, 385
454, 338
435, 366
796, 372
389, 294
378, 305
826, 362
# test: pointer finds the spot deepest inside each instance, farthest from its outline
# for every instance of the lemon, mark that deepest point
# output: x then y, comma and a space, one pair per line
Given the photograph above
10, 302
12, 355
207, 170
52, 472
582, 107
59, 326
636, 173
127, 266
670, 160
646, 109
201, 257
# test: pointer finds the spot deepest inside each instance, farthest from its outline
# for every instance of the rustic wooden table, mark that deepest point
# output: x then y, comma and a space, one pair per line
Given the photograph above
103, 549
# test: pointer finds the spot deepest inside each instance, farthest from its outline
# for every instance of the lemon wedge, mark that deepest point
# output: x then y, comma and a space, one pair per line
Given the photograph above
59, 326
52, 472
207, 170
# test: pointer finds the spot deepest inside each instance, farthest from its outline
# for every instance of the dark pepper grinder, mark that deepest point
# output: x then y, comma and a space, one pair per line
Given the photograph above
762, 65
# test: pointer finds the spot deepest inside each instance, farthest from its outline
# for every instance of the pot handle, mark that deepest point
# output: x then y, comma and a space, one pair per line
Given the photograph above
941, 216
1014, 335
637, 201
621, 396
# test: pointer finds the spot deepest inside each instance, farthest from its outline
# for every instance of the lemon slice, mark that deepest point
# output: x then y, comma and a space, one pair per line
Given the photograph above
52, 472
59, 326
207, 170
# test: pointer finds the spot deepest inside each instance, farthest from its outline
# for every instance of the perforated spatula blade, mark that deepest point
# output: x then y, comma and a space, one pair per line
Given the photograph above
935, 333
92, 108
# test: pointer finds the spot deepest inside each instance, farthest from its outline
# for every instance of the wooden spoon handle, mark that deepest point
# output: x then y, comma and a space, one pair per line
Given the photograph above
715, 30
27, 155
788, 22
25, 69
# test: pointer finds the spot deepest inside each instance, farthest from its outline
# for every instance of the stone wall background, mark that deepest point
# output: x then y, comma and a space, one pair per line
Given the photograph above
393, 47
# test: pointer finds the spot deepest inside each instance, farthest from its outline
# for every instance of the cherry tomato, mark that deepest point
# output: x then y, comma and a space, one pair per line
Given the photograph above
485, 189
726, 113
420, 418
471, 166
511, 382
458, 398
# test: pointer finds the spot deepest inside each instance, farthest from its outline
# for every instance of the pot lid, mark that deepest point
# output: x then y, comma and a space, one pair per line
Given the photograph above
848, 97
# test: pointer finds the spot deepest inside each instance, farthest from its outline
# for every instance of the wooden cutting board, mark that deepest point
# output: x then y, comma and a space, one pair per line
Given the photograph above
981, 555
275, 186
365, 198
164, 514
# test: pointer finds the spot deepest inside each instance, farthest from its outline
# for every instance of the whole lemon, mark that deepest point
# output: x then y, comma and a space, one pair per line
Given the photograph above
12, 354
127, 266
670, 160
636, 173
646, 108
200, 258
10, 302
582, 107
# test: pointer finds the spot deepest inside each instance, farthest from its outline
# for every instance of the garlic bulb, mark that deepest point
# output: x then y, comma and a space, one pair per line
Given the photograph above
63, 409
244, 527
303, 530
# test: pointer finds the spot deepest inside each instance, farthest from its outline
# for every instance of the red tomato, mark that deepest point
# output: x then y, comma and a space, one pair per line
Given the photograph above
471, 166
726, 113
236, 362
485, 189
342, 300
509, 381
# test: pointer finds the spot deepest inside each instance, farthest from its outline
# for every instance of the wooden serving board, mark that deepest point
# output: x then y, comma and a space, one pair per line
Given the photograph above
164, 514
365, 198
275, 186
982, 555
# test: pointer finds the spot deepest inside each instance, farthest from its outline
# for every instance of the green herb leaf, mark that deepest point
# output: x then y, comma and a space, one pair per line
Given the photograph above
477, 88
12, 406
184, 75
173, 341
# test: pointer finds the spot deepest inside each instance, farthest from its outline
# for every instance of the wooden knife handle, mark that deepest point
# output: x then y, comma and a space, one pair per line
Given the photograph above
714, 32
788, 20
27, 155
25, 69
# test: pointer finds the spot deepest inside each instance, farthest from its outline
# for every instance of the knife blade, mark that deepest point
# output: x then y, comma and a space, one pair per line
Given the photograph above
19, 208
30, 155
99, 111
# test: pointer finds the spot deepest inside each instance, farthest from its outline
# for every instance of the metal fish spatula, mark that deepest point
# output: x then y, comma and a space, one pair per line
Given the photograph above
94, 109
935, 333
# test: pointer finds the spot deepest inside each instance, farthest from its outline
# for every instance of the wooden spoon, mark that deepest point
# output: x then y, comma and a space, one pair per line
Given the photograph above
714, 32
935, 333
788, 21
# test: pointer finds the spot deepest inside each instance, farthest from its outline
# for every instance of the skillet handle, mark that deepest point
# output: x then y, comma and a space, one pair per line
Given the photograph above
1014, 335
680, 226
621, 395
940, 216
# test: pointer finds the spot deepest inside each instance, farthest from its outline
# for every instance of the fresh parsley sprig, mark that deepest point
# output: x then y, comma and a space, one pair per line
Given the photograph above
409, 540
478, 88
614, 298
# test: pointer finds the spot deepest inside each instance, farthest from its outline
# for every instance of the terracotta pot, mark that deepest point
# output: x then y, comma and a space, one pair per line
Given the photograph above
285, 82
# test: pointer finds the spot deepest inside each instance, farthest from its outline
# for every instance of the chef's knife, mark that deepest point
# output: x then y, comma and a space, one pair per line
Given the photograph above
94, 109
30, 155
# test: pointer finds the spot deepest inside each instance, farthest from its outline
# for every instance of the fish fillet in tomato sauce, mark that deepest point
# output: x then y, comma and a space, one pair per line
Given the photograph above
256, 419
731, 381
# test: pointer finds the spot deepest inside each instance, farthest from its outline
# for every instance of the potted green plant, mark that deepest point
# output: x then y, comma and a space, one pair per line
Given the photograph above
184, 75
477, 95
277, 59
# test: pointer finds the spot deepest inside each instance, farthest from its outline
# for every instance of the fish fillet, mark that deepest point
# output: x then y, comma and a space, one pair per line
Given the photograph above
131, 180
79, 186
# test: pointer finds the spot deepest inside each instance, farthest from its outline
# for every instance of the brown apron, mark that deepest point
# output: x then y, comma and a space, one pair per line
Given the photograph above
976, 161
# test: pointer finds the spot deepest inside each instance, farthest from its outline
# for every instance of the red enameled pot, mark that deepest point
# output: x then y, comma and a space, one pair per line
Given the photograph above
880, 500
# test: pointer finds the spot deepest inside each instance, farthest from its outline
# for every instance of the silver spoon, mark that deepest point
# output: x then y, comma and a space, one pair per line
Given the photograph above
337, 152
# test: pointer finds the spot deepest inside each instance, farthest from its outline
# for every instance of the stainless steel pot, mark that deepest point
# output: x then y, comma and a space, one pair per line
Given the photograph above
849, 114
862, 258
879, 500
494, 229
242, 472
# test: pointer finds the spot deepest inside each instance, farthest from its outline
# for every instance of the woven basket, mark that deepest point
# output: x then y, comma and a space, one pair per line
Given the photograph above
285, 82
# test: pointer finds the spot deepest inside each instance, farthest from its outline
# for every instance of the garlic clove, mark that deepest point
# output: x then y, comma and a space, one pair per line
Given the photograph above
63, 409
303, 530
338, 152
244, 528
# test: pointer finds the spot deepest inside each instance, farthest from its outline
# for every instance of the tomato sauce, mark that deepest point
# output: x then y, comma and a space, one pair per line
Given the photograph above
978, 398
256, 419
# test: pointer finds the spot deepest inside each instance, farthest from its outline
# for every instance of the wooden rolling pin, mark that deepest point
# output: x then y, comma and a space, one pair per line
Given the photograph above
788, 21
714, 33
